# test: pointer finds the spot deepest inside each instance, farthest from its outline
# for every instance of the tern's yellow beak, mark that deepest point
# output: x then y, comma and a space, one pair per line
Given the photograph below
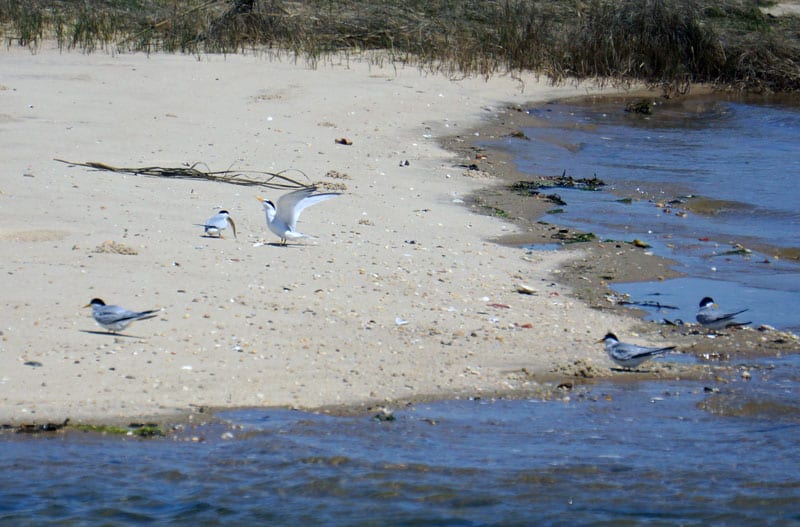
88, 305
259, 198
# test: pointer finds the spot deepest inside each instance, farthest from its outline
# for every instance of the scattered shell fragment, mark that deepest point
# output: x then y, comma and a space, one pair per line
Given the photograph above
525, 289
344, 141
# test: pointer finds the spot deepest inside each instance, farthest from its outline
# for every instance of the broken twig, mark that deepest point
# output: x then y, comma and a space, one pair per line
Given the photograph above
645, 303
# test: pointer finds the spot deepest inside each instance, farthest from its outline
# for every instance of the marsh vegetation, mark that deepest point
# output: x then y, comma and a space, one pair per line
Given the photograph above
671, 43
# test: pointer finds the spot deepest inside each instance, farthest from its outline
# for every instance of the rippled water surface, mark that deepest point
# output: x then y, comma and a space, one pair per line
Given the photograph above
639, 453
741, 158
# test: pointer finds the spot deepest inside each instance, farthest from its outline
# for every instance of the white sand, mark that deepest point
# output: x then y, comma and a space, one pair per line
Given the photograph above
246, 323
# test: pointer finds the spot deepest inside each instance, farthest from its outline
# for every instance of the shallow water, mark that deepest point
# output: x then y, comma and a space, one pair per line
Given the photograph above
743, 154
638, 453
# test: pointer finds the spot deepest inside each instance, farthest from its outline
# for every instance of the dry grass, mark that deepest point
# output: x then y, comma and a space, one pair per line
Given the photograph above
672, 43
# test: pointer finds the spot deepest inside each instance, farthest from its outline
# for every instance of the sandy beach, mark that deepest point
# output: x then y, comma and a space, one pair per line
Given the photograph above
402, 294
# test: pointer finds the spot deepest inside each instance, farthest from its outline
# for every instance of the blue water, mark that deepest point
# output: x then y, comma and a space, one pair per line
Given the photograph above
639, 453
743, 153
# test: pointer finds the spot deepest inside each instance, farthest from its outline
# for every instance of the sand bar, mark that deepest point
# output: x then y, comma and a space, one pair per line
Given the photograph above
401, 295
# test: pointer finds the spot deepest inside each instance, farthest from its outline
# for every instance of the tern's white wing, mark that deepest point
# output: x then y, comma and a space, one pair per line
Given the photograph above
631, 351
290, 205
716, 320
115, 314
630, 355
218, 221
112, 314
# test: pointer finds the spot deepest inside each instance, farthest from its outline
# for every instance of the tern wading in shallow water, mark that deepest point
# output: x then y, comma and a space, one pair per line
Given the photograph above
630, 355
115, 318
282, 217
218, 223
710, 317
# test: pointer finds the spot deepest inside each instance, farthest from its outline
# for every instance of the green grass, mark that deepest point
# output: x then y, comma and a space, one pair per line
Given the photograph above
667, 43
147, 430
497, 212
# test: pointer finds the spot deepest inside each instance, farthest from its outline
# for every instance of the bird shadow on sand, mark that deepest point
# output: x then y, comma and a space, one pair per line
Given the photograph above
210, 237
286, 245
110, 334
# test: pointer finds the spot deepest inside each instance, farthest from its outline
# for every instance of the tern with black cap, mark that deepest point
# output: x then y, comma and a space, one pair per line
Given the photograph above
282, 216
709, 316
115, 318
627, 355
218, 223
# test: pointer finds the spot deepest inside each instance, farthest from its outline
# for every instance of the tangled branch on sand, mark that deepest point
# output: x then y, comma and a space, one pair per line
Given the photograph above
252, 178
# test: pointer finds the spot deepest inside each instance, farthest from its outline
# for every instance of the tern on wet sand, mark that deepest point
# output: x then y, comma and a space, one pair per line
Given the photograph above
709, 316
630, 356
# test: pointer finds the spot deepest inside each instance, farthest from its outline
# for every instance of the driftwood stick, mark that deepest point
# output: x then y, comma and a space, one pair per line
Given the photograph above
274, 180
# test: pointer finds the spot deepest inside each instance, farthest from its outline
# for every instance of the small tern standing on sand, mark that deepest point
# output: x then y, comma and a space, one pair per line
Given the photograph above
282, 217
115, 318
218, 223
710, 317
630, 355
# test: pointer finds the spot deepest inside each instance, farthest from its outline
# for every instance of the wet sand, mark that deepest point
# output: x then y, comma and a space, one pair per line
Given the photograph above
405, 293
596, 264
